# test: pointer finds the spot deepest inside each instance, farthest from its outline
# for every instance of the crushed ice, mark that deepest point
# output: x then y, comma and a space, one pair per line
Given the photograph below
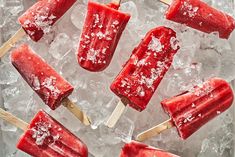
210, 55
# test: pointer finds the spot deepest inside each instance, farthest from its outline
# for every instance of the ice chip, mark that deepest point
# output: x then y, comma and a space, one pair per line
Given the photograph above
8, 75
61, 46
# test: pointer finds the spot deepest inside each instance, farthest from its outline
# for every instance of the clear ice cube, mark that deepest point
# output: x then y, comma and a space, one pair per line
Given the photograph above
61, 46
8, 74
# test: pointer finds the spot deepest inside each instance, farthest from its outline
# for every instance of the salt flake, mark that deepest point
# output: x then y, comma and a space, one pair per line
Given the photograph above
155, 45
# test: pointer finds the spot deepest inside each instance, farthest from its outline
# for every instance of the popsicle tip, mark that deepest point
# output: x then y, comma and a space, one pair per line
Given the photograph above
140, 137
86, 120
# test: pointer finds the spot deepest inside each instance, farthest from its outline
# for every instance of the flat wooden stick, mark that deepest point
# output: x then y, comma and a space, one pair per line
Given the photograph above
120, 108
10, 43
154, 130
76, 111
168, 2
118, 2
13, 120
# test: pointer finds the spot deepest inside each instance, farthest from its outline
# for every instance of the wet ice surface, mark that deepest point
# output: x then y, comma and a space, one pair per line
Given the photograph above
201, 56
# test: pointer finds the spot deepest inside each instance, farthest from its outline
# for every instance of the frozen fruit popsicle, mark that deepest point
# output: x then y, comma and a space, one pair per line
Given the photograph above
199, 15
101, 32
45, 137
42, 15
136, 149
191, 110
38, 19
43, 79
143, 72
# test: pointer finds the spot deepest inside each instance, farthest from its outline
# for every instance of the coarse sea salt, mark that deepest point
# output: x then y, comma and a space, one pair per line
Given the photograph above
40, 132
155, 45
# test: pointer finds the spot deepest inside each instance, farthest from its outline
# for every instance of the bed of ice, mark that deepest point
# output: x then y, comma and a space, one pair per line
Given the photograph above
201, 56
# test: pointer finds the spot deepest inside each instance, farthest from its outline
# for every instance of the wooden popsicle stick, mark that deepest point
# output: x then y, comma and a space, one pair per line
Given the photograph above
120, 108
168, 2
13, 120
155, 130
10, 43
76, 111
118, 2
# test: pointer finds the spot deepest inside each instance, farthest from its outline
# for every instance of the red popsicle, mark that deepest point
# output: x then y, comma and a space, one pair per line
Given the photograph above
45, 137
199, 15
101, 32
143, 72
42, 15
191, 110
43, 79
136, 149
37, 20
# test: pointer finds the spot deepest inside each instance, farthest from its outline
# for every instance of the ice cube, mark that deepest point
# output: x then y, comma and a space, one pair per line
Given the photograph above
11, 11
5, 126
8, 74
66, 67
232, 39
141, 119
14, 7
78, 15
95, 144
2, 22
122, 53
114, 150
108, 135
61, 46
9, 140
124, 129
98, 115
189, 43
153, 4
1, 144
41, 48
210, 61
67, 119
65, 25
1, 99
21, 154
181, 80
227, 65
78, 80
15, 94
6, 59
2, 3
226, 145
130, 8
210, 147
225, 6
